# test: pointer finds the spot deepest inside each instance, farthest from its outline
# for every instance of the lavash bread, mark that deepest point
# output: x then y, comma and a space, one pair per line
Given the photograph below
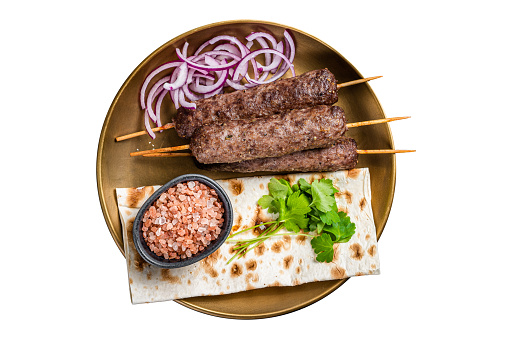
279, 261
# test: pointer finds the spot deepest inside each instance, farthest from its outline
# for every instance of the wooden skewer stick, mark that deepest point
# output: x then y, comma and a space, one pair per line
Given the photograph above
383, 151
373, 122
355, 82
167, 155
172, 125
359, 151
137, 134
184, 147
160, 150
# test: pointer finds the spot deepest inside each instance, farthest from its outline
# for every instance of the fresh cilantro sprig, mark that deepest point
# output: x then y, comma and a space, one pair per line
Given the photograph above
308, 209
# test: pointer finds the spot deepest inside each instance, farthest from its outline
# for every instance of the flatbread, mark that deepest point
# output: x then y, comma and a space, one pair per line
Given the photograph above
280, 261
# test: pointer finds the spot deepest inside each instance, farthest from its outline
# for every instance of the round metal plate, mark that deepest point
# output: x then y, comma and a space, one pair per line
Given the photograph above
115, 168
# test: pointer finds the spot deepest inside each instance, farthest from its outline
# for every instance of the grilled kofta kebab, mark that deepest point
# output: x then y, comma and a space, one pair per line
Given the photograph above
341, 155
271, 136
310, 89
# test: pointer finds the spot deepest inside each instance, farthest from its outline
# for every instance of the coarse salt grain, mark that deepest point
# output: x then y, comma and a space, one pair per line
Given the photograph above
190, 216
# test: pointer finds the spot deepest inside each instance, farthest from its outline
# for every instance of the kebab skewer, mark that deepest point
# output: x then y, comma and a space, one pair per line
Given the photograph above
273, 136
343, 155
318, 87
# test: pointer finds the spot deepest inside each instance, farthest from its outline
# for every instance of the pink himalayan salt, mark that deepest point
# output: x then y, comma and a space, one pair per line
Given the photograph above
188, 218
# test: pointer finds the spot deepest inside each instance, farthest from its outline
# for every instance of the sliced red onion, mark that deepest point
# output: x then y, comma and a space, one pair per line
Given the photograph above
290, 51
189, 94
158, 106
252, 55
151, 75
231, 39
152, 95
184, 48
194, 64
260, 36
228, 48
174, 95
213, 87
181, 79
147, 126
182, 101
235, 85
211, 94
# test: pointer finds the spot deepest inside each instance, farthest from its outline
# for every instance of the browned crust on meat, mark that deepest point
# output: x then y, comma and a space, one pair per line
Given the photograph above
342, 155
310, 89
272, 136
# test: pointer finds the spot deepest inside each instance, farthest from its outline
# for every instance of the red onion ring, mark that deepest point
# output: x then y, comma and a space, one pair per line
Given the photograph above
151, 75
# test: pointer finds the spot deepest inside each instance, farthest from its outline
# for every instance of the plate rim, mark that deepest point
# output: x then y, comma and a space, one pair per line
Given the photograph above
107, 215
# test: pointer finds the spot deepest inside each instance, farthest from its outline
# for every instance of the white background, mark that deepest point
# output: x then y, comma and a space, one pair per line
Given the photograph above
444, 252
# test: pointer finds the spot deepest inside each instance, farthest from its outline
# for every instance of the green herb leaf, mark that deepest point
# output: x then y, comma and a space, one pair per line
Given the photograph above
298, 203
346, 228
324, 247
304, 186
265, 201
323, 194
277, 189
287, 184
330, 217
293, 214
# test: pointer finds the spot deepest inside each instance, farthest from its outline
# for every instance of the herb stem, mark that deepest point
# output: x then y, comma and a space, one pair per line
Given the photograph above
250, 228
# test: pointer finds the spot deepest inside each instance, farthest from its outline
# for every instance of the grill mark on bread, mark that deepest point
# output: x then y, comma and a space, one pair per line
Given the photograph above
236, 186
167, 276
353, 173
362, 203
260, 249
287, 242
301, 239
135, 195
129, 230
236, 222
251, 265
372, 250
338, 272
346, 194
276, 247
252, 277
139, 263
236, 270
356, 251
287, 261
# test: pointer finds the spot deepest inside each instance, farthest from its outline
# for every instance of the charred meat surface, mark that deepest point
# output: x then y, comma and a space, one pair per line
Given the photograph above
313, 88
272, 136
340, 156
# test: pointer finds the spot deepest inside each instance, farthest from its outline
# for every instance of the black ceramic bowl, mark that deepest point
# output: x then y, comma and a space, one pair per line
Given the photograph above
151, 257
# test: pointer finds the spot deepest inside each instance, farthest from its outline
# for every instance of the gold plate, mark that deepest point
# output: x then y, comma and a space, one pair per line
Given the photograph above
115, 168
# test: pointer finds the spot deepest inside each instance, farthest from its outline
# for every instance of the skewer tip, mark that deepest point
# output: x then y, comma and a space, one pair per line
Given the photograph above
355, 82
383, 151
